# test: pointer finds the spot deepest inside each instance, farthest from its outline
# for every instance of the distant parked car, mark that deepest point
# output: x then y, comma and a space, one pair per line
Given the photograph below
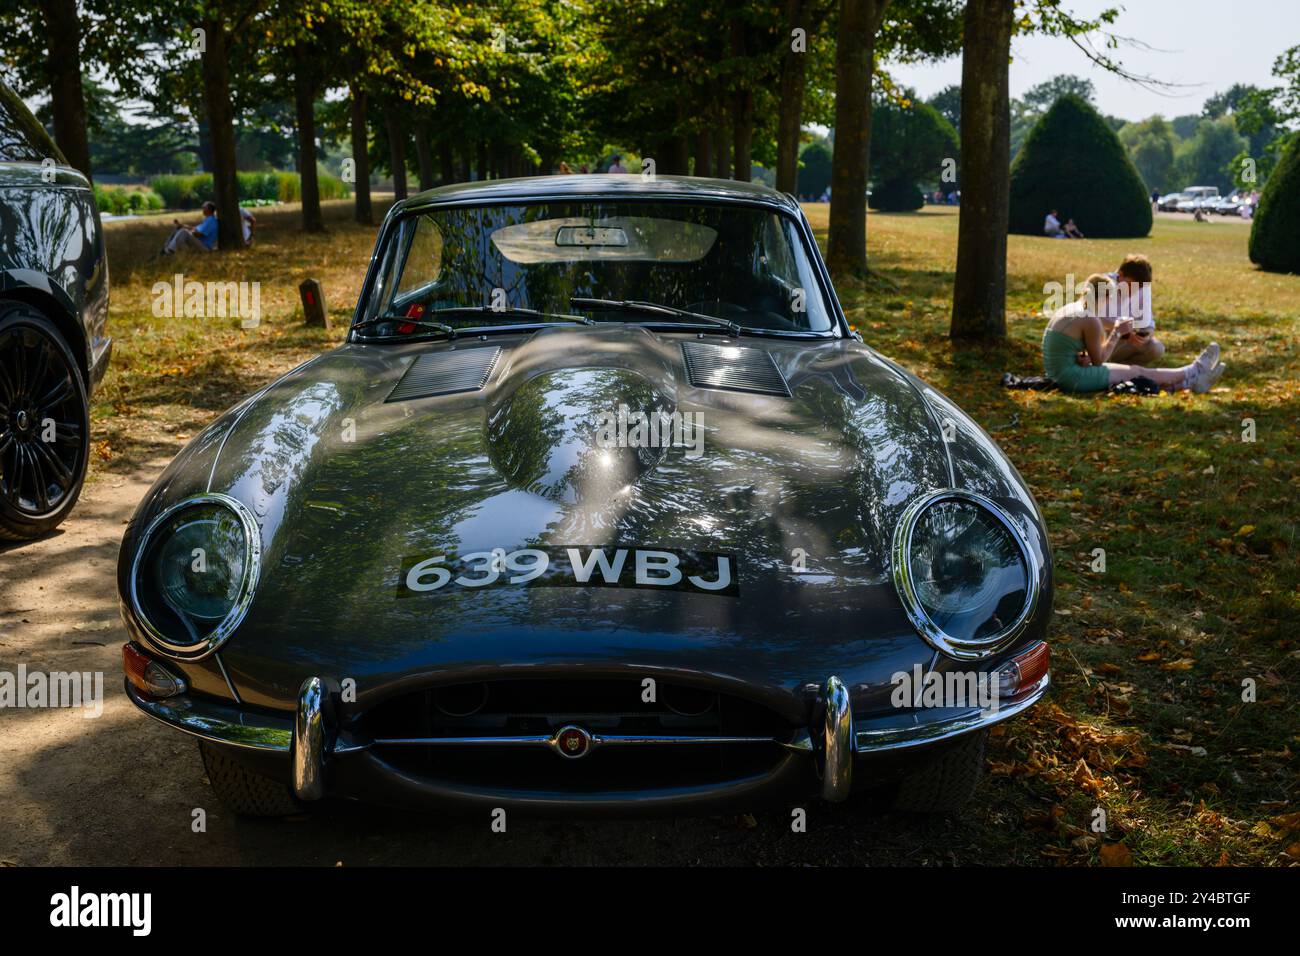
53, 308
1170, 202
1229, 205
1197, 197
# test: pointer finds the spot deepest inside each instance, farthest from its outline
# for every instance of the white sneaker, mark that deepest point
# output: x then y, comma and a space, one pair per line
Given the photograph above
1203, 381
1208, 358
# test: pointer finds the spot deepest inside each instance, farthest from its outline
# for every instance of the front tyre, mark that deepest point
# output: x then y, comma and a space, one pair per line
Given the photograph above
944, 785
244, 792
44, 425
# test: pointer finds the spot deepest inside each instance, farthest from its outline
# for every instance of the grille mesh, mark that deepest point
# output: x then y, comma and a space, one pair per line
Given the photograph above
445, 373
733, 368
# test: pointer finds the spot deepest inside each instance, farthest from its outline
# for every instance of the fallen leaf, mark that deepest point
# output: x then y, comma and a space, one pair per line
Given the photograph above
1288, 821
1115, 854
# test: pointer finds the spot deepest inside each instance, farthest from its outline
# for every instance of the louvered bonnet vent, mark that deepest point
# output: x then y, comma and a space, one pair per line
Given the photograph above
446, 373
734, 368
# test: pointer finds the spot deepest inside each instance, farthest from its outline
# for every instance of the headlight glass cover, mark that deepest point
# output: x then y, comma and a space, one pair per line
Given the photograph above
966, 577
194, 574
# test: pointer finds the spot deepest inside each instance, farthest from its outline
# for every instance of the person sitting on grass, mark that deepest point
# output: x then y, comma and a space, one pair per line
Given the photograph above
1071, 230
1052, 226
249, 223
1132, 300
1076, 327
200, 238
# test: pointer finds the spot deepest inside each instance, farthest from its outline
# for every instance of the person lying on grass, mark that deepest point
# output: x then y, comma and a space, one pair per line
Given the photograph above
1076, 326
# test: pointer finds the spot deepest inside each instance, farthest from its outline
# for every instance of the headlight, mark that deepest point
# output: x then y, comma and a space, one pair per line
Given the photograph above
964, 572
194, 574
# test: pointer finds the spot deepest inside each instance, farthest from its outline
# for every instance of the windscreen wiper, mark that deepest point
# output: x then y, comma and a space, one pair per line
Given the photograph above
549, 318
654, 308
443, 327
542, 318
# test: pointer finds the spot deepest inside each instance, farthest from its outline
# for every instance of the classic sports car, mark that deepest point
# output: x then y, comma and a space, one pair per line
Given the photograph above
601, 506
53, 309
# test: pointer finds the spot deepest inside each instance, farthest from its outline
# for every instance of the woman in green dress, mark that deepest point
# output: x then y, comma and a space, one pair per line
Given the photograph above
1075, 330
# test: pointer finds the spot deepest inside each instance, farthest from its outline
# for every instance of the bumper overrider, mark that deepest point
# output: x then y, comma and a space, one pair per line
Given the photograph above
321, 753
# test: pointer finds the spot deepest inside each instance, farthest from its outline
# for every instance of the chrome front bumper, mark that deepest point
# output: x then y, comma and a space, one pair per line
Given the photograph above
311, 737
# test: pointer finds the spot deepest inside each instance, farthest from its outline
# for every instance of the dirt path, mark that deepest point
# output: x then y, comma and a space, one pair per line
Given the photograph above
122, 789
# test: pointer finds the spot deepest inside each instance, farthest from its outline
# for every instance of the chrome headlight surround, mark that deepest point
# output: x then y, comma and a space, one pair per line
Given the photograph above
906, 586
247, 588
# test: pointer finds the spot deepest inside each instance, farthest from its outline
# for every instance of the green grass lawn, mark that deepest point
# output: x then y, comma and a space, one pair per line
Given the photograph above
1200, 593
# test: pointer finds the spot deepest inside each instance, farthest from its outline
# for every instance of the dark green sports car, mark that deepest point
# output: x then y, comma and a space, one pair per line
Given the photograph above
602, 506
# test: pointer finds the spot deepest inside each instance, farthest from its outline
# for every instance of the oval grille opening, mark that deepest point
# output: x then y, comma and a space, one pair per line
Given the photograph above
541, 708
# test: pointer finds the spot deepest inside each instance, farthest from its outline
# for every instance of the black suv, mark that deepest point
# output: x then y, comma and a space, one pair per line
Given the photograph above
53, 307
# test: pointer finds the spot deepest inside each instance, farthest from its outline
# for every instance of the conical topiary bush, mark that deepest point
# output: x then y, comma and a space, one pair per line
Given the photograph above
1074, 163
1275, 233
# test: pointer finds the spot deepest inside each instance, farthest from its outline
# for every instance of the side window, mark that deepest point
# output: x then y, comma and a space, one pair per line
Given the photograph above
22, 139
423, 265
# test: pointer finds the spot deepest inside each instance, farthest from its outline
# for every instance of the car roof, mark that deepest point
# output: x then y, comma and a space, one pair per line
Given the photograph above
601, 186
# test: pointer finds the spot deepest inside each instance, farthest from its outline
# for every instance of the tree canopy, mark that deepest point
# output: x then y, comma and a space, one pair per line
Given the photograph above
1273, 235
909, 142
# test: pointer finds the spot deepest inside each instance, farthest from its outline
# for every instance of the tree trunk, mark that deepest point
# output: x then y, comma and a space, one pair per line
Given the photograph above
447, 160
205, 142
742, 111
305, 103
854, 60
742, 134
221, 122
464, 163
721, 141
790, 109
361, 156
424, 155
396, 150
674, 156
63, 64
482, 159
980, 291
703, 153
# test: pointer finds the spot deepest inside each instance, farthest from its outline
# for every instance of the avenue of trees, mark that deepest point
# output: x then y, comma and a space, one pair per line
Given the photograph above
434, 91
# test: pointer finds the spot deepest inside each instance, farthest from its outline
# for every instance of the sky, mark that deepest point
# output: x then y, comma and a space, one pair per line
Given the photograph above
1195, 42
